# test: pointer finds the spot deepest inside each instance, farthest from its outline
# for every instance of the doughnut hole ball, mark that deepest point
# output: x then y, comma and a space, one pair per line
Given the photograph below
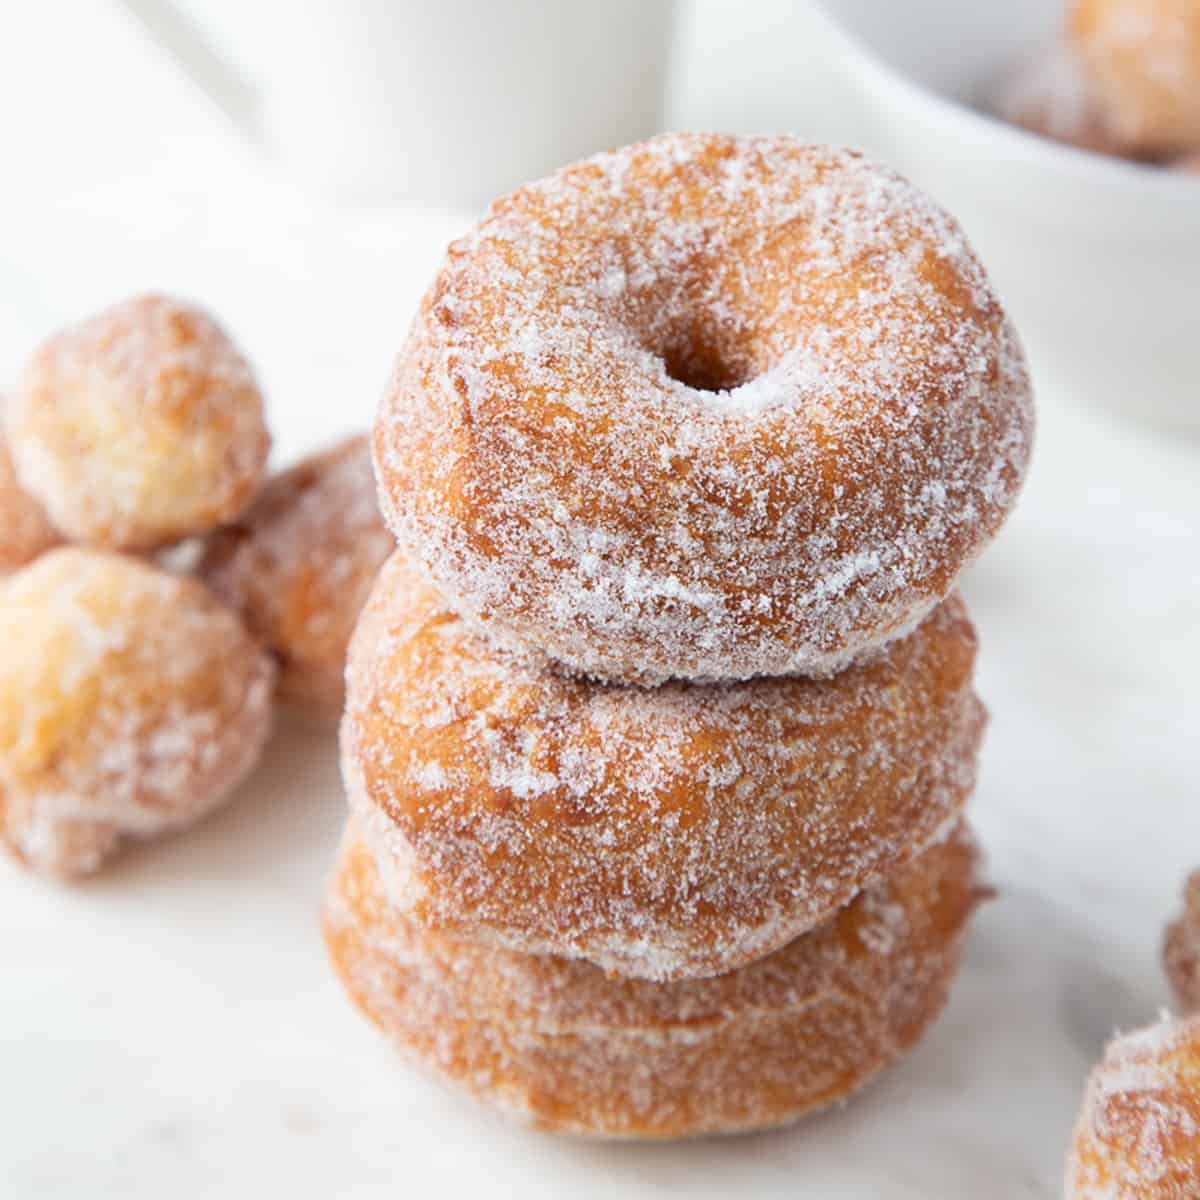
1138, 1135
139, 427
132, 702
1143, 59
1182, 949
25, 530
298, 566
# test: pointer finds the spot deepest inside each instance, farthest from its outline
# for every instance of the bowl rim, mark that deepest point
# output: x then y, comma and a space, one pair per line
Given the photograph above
1084, 165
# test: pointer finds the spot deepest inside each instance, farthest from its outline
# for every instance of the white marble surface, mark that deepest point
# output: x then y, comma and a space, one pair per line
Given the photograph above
171, 1029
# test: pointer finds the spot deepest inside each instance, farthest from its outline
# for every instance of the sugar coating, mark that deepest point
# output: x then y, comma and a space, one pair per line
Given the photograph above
662, 833
25, 530
139, 427
1138, 1135
131, 702
1182, 950
298, 566
705, 407
1143, 60
559, 1043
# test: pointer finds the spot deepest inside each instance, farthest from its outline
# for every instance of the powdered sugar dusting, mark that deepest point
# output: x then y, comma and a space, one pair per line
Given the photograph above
661, 833
705, 407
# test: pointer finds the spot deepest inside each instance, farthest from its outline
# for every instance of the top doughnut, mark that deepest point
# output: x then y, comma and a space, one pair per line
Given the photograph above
705, 407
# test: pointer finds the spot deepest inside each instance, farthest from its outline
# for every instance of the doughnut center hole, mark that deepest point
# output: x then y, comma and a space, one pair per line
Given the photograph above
703, 368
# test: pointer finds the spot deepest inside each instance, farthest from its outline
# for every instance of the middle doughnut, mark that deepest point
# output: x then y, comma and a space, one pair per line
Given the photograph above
662, 834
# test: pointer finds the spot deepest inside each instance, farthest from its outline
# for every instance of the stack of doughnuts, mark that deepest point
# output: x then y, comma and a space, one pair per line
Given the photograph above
660, 724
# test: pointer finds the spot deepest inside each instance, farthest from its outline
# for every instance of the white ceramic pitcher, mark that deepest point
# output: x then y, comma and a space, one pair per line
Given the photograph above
429, 102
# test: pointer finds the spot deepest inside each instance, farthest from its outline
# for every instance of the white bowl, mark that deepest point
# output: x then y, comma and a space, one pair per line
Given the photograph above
1098, 259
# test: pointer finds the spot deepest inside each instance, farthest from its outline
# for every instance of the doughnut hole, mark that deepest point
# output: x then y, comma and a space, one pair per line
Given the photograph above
1138, 1134
1143, 57
132, 701
1182, 949
25, 530
139, 427
1052, 95
298, 566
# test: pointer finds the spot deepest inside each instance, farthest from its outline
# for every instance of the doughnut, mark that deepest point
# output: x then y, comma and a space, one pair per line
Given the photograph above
131, 703
25, 530
298, 566
661, 833
705, 407
1182, 950
562, 1045
1143, 57
1190, 165
1138, 1136
139, 427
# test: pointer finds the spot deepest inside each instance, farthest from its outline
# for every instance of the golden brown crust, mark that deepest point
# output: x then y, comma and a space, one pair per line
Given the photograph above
1138, 1135
25, 530
705, 408
1143, 59
1182, 950
561, 1044
663, 833
299, 564
131, 702
139, 427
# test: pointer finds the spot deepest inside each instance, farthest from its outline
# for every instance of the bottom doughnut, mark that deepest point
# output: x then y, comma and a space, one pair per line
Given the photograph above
558, 1042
